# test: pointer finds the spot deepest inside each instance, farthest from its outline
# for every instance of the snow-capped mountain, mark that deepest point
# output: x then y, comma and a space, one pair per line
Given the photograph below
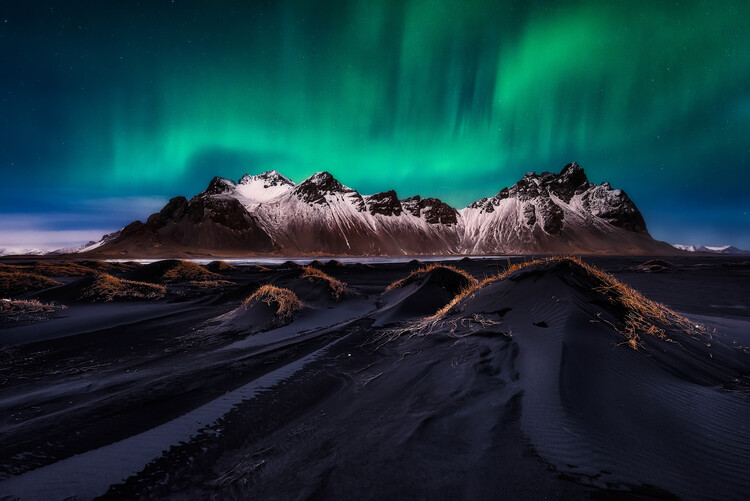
253, 190
556, 213
22, 252
269, 214
723, 249
87, 247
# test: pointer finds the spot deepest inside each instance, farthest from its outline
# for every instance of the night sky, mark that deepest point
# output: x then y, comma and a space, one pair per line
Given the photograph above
109, 108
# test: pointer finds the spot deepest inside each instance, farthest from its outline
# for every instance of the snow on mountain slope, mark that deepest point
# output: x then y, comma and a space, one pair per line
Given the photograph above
723, 249
263, 187
251, 190
22, 252
556, 213
322, 215
268, 213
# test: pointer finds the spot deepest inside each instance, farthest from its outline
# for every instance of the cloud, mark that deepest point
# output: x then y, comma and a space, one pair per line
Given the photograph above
78, 223
48, 240
133, 207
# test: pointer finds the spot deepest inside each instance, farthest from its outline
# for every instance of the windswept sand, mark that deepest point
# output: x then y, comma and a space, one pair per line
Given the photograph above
527, 388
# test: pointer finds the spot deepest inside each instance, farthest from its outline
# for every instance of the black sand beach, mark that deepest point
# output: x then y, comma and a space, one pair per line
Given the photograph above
549, 383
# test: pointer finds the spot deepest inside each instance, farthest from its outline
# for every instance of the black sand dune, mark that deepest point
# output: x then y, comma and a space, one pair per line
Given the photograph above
597, 409
529, 387
219, 267
314, 286
422, 293
171, 271
103, 288
266, 308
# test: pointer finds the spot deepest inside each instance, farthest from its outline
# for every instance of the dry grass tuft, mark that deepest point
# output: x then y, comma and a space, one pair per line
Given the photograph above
641, 316
339, 289
20, 310
286, 301
187, 271
106, 288
220, 267
211, 284
14, 282
52, 269
421, 271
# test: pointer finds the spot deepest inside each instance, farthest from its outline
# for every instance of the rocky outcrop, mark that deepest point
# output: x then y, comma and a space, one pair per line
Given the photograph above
386, 204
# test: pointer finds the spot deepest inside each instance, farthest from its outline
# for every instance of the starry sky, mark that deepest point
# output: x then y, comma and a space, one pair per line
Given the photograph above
107, 109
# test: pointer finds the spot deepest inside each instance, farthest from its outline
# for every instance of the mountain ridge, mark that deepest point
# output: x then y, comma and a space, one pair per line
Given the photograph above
712, 249
268, 214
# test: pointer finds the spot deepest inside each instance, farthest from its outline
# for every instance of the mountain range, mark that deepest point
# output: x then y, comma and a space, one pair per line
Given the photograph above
711, 249
268, 214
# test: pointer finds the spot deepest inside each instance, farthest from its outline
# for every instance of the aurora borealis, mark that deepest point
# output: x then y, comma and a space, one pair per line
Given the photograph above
110, 108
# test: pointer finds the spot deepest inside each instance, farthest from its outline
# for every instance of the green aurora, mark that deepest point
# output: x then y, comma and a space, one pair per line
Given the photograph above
454, 99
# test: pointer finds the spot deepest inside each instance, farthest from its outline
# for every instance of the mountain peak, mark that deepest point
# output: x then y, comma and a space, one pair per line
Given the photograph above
571, 167
544, 196
269, 178
573, 174
322, 182
219, 185
385, 203
315, 188
263, 187
321, 178
712, 249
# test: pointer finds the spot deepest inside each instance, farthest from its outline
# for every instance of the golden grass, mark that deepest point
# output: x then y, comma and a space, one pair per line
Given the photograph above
187, 271
106, 288
211, 284
641, 315
14, 282
51, 269
426, 269
98, 266
21, 309
339, 289
219, 266
286, 301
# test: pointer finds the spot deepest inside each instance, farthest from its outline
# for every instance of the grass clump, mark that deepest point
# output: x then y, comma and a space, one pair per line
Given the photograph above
105, 288
211, 284
338, 289
15, 282
220, 267
285, 301
23, 310
51, 269
116, 267
642, 315
426, 269
187, 271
